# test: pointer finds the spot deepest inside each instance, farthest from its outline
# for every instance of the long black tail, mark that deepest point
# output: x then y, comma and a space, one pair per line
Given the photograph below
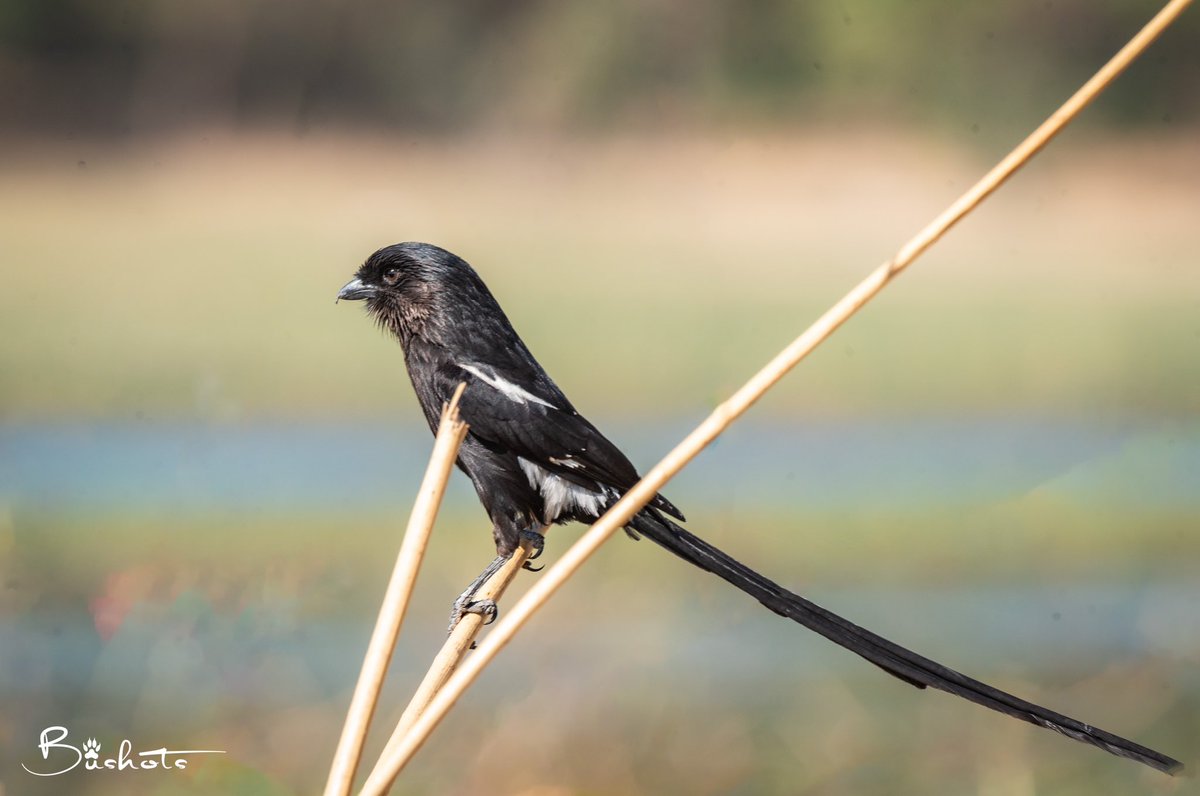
892, 658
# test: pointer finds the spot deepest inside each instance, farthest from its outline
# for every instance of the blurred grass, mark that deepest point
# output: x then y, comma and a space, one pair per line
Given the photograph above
668, 684
120, 69
651, 276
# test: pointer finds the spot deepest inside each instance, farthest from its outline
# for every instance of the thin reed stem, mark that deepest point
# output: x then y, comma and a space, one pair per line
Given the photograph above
449, 657
450, 434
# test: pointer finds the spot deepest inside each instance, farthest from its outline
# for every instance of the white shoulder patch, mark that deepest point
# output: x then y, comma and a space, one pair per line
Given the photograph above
506, 388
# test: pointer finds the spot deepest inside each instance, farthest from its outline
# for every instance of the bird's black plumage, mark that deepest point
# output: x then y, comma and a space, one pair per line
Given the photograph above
534, 460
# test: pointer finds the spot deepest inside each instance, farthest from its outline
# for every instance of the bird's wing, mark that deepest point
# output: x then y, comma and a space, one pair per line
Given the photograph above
534, 420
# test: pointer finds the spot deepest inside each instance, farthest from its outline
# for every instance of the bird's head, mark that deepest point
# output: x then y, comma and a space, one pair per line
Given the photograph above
416, 289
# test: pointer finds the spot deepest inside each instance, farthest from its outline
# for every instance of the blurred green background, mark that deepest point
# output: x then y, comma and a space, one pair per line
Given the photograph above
205, 464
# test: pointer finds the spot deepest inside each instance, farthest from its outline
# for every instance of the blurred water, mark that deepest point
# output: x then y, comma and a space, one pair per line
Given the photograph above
270, 466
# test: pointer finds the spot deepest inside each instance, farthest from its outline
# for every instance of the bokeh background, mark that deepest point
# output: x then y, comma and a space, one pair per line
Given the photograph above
205, 464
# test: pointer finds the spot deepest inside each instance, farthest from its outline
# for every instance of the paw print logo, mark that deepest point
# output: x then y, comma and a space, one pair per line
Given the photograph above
91, 749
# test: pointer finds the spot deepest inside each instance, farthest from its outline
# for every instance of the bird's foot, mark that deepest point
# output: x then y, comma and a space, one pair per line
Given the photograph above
466, 602
485, 608
537, 543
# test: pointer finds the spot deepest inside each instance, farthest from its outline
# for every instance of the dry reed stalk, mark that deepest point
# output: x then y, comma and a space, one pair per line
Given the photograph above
397, 756
457, 644
450, 434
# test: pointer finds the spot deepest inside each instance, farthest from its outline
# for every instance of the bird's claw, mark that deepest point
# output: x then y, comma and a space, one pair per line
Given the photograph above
537, 543
485, 608
527, 566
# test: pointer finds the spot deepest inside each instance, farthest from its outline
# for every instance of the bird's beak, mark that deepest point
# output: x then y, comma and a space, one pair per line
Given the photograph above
355, 290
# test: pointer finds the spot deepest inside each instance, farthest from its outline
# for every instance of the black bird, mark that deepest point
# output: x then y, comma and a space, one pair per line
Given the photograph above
534, 460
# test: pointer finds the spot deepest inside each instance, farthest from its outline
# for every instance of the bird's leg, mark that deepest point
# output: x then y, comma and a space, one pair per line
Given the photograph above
465, 604
537, 543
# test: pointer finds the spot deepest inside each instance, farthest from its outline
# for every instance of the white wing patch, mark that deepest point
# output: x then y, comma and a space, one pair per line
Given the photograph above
506, 388
561, 495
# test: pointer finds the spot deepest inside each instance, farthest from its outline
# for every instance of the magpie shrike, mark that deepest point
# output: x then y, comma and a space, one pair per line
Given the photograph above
534, 460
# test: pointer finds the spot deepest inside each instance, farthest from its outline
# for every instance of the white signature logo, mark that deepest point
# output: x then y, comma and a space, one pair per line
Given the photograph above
71, 756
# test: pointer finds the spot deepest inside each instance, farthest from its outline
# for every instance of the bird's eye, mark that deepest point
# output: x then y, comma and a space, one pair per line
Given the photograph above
391, 276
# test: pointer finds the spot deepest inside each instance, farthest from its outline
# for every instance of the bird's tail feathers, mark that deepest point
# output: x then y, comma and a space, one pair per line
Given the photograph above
892, 658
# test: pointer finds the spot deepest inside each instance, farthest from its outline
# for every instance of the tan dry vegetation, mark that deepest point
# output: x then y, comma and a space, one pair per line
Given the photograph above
194, 276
